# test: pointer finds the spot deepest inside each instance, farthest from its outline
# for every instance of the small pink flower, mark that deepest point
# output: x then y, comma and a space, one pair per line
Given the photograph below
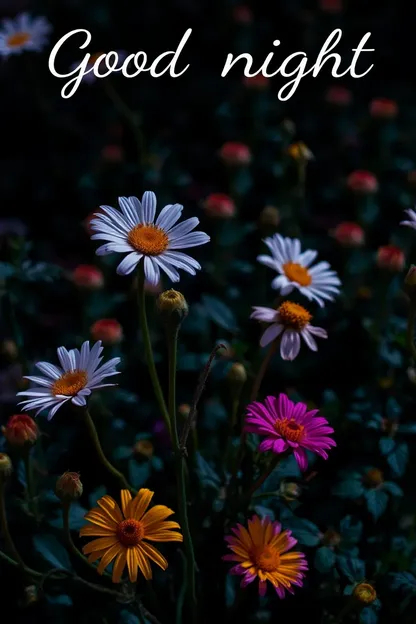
257, 83
109, 331
234, 153
289, 426
339, 96
362, 182
219, 205
383, 108
391, 257
349, 234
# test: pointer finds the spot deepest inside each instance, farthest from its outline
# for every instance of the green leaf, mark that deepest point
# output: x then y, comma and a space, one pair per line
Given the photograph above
386, 445
138, 473
376, 502
206, 474
351, 567
52, 551
305, 531
6, 270
76, 518
368, 616
351, 529
397, 460
220, 313
350, 488
324, 559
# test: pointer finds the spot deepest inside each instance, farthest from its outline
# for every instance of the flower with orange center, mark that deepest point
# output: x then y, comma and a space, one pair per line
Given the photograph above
290, 322
261, 552
316, 282
124, 534
80, 373
365, 593
23, 33
20, 430
135, 231
289, 427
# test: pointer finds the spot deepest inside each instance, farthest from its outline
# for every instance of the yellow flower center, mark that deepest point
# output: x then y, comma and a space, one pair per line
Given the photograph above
289, 429
364, 592
130, 532
144, 447
293, 315
70, 383
18, 39
266, 558
297, 273
374, 477
148, 239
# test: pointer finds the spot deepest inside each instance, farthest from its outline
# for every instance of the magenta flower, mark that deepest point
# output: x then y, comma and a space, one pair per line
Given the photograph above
287, 425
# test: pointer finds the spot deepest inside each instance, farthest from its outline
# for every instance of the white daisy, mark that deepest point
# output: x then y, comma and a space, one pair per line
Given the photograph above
23, 33
291, 321
80, 374
412, 219
317, 282
134, 231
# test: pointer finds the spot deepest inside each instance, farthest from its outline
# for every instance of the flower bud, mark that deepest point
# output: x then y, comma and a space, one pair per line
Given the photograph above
331, 6
331, 538
269, 217
112, 154
300, 152
10, 350
289, 490
237, 374
144, 448
362, 182
219, 206
365, 593
20, 430
374, 477
172, 306
30, 595
184, 410
349, 234
383, 108
242, 15
69, 487
107, 330
391, 258
6, 467
88, 277
233, 153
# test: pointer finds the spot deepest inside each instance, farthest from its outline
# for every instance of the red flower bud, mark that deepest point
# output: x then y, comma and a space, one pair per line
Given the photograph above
107, 330
338, 96
390, 257
69, 487
383, 108
349, 234
234, 153
220, 206
362, 182
88, 277
20, 430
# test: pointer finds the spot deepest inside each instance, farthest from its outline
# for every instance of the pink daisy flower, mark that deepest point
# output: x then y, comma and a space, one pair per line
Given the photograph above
261, 553
287, 425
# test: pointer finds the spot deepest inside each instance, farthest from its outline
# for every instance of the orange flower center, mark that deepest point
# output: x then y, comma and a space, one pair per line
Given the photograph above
266, 558
289, 429
70, 383
18, 39
130, 532
293, 315
148, 239
297, 273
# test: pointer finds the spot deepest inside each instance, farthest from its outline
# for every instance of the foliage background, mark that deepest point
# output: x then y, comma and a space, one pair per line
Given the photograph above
54, 173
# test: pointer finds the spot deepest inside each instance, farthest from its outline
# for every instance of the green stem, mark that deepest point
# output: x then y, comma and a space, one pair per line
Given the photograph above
100, 453
132, 118
4, 527
30, 491
66, 506
180, 470
411, 330
148, 349
275, 461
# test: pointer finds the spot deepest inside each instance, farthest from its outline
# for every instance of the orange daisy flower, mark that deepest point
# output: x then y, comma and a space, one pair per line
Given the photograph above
123, 534
261, 552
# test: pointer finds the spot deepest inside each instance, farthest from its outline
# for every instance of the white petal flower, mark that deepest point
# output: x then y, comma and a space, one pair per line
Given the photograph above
79, 374
411, 222
134, 231
317, 282
291, 322
23, 33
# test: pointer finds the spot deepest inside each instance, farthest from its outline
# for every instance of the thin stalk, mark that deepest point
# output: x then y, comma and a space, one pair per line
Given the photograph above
411, 331
4, 527
100, 453
257, 484
180, 470
148, 349
30, 491
66, 506
131, 117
